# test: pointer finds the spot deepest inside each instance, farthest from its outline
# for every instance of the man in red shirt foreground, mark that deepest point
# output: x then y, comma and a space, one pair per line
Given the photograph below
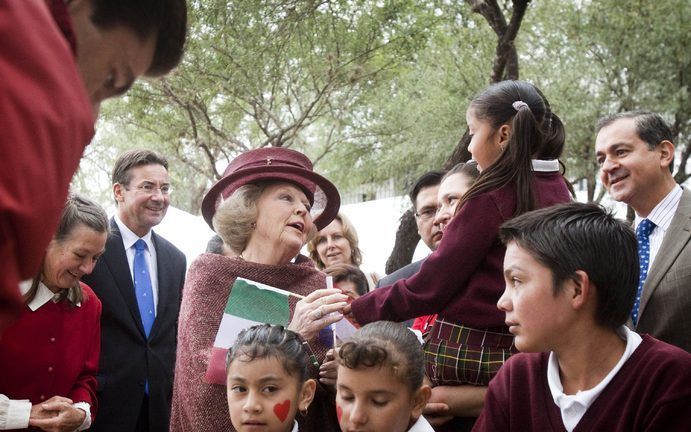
49, 100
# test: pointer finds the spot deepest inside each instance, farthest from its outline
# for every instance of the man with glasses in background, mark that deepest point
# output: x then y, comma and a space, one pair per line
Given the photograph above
423, 195
139, 280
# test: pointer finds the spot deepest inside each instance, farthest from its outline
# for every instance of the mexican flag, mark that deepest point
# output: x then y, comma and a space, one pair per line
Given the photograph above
249, 303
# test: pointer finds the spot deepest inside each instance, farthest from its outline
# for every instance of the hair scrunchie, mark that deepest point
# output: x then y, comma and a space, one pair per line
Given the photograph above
519, 104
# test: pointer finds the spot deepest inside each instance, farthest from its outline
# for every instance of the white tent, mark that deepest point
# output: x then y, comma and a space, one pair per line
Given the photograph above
375, 221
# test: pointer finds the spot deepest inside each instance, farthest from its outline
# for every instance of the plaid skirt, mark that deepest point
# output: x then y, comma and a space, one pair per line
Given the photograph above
455, 354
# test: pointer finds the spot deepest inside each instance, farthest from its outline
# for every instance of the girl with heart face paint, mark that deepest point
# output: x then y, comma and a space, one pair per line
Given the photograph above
267, 380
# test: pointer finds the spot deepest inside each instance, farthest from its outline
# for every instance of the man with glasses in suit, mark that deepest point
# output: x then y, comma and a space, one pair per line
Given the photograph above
139, 280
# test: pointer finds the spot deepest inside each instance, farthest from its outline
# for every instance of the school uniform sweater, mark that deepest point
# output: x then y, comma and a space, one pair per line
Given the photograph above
651, 392
463, 279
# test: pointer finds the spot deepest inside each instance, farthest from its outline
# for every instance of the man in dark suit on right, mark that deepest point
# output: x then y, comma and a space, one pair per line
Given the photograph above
423, 195
635, 153
139, 281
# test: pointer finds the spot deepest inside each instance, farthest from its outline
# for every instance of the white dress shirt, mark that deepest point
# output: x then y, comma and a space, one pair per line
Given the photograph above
14, 414
573, 407
128, 240
661, 216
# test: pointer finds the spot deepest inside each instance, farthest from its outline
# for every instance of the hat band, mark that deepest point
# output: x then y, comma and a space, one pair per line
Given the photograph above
271, 161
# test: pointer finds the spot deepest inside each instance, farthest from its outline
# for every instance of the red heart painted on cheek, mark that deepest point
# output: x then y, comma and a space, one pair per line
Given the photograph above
339, 413
281, 410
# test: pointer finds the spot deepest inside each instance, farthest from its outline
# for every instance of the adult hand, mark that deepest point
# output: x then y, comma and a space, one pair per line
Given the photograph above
436, 413
38, 412
67, 418
462, 401
318, 310
328, 370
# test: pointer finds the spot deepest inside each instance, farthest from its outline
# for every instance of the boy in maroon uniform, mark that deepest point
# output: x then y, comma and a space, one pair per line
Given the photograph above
571, 273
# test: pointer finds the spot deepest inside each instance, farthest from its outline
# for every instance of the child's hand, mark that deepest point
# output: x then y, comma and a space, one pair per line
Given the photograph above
328, 371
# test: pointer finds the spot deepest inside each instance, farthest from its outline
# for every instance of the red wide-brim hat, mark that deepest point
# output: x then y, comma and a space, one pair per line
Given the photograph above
275, 163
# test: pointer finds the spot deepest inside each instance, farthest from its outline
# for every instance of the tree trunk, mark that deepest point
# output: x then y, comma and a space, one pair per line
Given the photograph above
505, 67
407, 239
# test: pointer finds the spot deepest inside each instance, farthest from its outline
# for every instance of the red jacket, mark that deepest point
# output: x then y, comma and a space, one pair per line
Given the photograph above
463, 279
53, 351
45, 123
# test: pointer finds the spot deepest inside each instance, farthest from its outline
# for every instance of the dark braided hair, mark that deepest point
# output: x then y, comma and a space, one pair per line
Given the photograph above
272, 341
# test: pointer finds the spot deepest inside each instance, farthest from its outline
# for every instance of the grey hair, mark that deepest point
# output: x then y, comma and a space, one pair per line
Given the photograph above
236, 217
78, 210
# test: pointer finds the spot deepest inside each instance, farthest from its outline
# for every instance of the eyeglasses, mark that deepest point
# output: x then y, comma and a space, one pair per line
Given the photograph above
426, 213
150, 189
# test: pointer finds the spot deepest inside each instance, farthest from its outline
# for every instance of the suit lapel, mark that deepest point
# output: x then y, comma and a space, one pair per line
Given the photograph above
676, 237
116, 260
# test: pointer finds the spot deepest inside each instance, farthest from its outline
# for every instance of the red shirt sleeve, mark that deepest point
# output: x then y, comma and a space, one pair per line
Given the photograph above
46, 123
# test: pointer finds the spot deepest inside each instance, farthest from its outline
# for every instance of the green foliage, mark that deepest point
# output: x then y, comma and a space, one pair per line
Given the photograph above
376, 90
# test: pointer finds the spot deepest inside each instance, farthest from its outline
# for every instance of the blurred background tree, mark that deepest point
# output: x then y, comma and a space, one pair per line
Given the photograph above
376, 91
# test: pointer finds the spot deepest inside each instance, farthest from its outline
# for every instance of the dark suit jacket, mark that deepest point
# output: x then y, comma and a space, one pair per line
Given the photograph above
402, 273
665, 310
127, 357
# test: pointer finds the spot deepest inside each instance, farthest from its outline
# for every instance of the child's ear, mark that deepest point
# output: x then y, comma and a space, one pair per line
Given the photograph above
420, 399
580, 289
503, 134
306, 394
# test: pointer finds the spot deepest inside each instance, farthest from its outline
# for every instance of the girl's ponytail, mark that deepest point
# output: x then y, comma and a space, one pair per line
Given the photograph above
521, 104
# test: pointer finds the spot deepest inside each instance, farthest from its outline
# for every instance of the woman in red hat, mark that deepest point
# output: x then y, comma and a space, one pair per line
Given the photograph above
266, 207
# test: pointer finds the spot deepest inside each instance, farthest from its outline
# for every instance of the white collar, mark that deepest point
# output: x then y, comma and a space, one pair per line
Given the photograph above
573, 407
43, 295
421, 425
129, 237
542, 165
295, 427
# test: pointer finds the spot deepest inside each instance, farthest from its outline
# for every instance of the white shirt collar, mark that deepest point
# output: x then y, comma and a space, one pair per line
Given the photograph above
541, 165
43, 295
573, 407
129, 237
421, 425
295, 427
661, 215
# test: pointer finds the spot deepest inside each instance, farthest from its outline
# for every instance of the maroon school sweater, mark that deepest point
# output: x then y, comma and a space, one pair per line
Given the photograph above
463, 279
651, 392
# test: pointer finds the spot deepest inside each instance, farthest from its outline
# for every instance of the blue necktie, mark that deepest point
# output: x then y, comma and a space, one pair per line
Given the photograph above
142, 287
642, 232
